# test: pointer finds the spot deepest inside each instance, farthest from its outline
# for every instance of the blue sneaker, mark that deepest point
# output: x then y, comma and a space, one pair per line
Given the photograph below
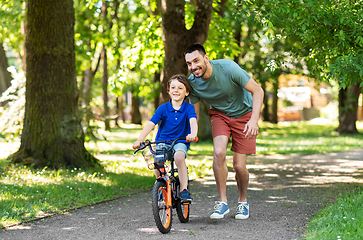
185, 196
220, 209
243, 211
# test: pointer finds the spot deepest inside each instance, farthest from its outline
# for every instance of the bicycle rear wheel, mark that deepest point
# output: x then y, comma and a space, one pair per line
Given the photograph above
162, 214
183, 211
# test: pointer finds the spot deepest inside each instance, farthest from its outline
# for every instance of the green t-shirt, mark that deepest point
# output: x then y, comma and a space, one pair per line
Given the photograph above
223, 90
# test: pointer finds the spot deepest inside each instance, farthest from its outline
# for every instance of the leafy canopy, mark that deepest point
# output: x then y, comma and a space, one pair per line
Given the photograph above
331, 33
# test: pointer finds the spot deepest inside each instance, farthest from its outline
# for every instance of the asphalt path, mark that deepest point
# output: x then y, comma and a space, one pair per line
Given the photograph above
285, 193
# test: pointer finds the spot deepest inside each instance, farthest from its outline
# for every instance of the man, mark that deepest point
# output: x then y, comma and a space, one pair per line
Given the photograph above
233, 111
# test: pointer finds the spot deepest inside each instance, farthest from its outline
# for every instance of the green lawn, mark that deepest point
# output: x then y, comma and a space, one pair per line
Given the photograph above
28, 193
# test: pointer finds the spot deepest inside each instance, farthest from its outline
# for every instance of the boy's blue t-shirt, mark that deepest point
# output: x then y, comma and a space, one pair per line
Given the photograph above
174, 123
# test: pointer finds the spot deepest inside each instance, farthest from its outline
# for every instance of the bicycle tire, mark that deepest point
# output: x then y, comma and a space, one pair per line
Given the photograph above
183, 211
162, 214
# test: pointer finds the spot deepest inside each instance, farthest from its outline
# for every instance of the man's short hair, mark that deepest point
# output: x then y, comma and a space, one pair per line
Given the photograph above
196, 47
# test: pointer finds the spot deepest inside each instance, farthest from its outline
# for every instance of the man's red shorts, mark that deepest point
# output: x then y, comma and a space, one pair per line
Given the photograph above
223, 125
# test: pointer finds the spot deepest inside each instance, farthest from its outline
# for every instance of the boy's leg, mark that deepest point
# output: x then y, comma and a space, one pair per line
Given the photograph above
179, 158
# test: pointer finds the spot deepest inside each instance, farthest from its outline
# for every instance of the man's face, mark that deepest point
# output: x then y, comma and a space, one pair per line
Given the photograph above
197, 64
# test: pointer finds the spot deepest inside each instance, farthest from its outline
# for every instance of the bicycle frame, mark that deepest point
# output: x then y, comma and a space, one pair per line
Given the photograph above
164, 176
165, 194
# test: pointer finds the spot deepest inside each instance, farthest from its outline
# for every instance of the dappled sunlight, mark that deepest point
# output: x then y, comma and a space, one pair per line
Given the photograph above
149, 230
156, 231
8, 148
298, 171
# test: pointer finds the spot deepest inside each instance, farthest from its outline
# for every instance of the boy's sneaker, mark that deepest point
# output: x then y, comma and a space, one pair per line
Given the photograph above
220, 209
185, 196
243, 211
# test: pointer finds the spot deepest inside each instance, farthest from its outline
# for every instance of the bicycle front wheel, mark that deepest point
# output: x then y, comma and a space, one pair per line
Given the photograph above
162, 213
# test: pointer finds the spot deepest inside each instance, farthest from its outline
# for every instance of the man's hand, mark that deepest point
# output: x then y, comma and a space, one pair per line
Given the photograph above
251, 130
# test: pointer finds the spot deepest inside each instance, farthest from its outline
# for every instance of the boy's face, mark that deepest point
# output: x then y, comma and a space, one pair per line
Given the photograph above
177, 91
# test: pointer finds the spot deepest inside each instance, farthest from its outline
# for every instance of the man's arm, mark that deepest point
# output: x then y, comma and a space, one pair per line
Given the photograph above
197, 107
251, 127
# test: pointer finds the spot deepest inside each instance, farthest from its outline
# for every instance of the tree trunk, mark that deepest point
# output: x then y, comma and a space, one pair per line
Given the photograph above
157, 96
86, 99
265, 110
176, 38
275, 99
52, 134
135, 110
5, 76
106, 110
348, 105
24, 32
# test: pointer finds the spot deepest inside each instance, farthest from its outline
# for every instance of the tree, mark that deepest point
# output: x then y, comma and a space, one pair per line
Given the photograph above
176, 37
52, 134
5, 76
331, 33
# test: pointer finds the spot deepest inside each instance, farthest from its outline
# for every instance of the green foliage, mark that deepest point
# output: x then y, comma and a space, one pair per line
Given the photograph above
330, 31
144, 56
147, 50
11, 17
221, 42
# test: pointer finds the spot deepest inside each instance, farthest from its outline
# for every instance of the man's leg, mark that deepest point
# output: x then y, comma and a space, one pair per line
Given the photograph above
242, 175
219, 165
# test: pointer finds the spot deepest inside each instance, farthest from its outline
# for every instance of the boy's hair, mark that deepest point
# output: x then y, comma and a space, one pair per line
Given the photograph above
195, 47
182, 79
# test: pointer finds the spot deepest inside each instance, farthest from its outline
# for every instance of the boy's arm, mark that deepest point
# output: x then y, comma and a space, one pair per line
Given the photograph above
193, 129
147, 129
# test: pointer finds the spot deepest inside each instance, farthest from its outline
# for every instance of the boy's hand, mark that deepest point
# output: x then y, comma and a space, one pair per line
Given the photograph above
191, 137
136, 144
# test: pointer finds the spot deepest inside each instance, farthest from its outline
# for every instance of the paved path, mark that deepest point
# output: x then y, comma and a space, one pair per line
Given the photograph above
284, 194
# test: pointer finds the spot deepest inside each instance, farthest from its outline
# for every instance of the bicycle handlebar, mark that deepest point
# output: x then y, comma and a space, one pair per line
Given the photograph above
148, 143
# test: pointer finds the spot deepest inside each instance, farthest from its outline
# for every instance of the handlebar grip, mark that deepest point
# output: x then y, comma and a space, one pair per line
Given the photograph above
138, 147
195, 140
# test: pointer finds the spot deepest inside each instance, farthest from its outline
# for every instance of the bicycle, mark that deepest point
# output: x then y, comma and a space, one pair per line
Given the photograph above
166, 190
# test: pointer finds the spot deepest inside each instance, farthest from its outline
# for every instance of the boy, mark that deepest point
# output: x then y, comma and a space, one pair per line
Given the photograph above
178, 119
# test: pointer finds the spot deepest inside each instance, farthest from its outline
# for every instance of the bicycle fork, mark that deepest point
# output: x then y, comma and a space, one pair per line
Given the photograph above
168, 198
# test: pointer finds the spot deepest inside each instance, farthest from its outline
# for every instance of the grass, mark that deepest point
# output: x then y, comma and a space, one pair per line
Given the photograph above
341, 220
27, 193
305, 138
